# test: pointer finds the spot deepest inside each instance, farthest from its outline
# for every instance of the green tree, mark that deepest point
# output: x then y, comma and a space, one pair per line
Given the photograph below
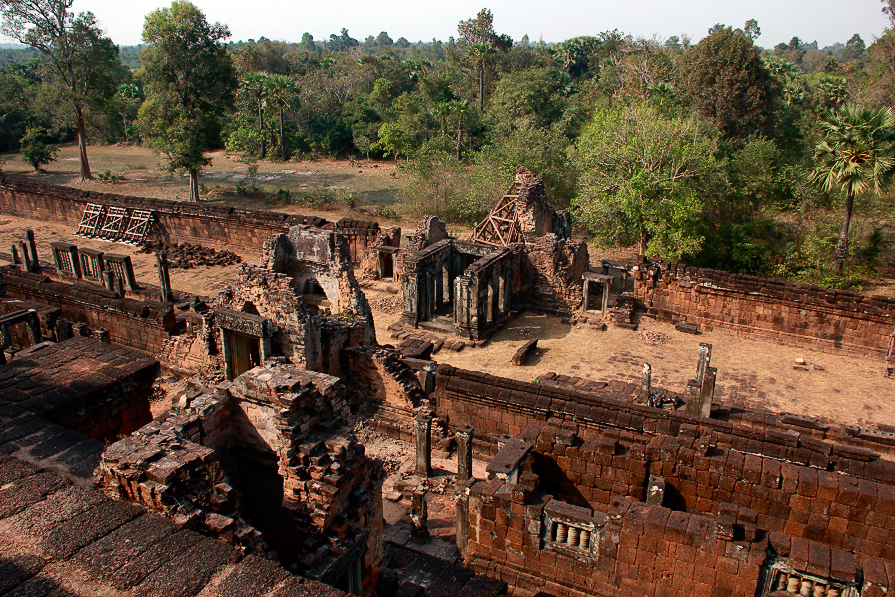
254, 85
393, 139
79, 57
307, 43
189, 80
728, 83
643, 178
35, 148
481, 54
854, 156
281, 91
854, 49
752, 30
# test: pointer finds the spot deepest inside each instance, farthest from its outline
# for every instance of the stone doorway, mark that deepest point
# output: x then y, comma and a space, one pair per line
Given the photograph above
244, 353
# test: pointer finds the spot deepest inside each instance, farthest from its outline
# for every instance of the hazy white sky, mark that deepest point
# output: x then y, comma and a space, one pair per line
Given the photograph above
827, 21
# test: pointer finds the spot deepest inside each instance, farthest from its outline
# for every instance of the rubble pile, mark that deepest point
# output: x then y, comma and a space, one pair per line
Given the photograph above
188, 256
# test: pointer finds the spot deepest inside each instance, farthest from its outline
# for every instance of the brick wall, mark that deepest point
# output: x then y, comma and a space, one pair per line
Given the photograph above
819, 484
143, 325
798, 314
216, 226
632, 550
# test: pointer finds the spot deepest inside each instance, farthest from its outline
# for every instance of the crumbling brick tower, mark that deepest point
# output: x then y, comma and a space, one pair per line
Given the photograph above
299, 475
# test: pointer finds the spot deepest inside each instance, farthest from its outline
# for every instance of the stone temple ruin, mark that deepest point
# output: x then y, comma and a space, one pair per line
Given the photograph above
255, 479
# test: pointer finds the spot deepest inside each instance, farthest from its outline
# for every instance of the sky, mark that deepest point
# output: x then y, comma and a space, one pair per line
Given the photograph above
827, 21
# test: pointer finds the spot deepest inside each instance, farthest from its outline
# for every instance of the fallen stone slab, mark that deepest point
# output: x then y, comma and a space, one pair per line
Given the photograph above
524, 352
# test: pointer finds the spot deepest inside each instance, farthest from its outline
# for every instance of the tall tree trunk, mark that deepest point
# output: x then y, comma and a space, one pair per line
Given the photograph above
482, 89
261, 130
842, 247
282, 138
194, 185
82, 144
460, 139
643, 242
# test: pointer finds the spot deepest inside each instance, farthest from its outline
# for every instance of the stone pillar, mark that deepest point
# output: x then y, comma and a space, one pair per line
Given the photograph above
605, 306
705, 358
586, 291
422, 435
102, 334
226, 356
63, 330
109, 281
6, 336
163, 278
32, 246
129, 276
419, 514
464, 454
646, 382
708, 392
26, 260
16, 260
34, 326
691, 395
461, 500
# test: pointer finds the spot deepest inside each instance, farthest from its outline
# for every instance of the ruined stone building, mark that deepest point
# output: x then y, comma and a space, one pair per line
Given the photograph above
254, 483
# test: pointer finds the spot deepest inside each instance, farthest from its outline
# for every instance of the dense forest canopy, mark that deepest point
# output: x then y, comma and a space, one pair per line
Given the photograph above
708, 151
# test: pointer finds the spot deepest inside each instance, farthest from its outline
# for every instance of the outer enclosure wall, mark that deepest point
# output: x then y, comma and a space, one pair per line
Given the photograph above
175, 221
799, 314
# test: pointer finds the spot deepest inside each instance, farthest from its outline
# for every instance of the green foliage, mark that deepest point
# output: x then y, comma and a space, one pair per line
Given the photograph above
189, 82
81, 63
36, 148
725, 77
642, 179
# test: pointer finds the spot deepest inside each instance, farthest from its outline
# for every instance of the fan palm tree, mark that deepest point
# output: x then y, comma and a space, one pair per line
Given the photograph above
255, 86
481, 54
855, 155
281, 89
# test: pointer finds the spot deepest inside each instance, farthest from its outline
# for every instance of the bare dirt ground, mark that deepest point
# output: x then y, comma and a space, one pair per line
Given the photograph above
848, 390
144, 175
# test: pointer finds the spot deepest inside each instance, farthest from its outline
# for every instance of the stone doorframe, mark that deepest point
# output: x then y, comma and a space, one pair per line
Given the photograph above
247, 324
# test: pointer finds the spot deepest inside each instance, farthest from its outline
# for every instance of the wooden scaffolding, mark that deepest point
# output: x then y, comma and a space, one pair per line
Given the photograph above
501, 227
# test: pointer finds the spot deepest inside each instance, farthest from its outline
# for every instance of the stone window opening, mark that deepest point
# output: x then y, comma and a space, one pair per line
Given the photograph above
570, 536
782, 579
571, 529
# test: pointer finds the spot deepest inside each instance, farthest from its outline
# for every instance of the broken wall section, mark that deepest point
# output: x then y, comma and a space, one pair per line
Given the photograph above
384, 386
143, 325
282, 426
320, 263
550, 276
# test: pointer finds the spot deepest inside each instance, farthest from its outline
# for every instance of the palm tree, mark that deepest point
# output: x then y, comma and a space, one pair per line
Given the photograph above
855, 155
481, 54
255, 86
280, 91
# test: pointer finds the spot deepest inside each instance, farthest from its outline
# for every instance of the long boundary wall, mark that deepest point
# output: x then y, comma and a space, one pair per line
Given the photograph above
797, 314
216, 226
